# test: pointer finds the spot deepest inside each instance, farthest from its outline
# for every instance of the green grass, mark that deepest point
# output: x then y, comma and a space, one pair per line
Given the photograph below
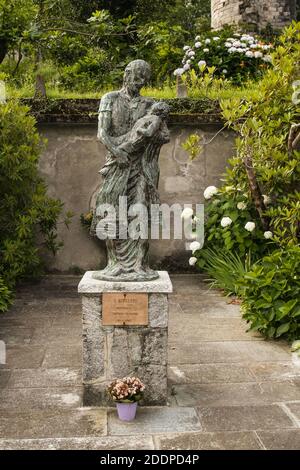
166, 92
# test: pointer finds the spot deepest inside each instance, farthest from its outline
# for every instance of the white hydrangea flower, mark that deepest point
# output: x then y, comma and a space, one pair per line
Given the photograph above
232, 50
258, 55
178, 72
250, 226
216, 38
202, 63
249, 54
267, 58
191, 53
197, 38
198, 44
187, 213
207, 41
267, 200
228, 44
241, 206
236, 44
225, 71
186, 48
186, 67
226, 221
206, 50
210, 191
194, 246
268, 235
192, 261
253, 46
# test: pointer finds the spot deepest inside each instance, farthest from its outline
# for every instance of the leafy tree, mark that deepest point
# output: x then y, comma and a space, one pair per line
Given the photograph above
15, 17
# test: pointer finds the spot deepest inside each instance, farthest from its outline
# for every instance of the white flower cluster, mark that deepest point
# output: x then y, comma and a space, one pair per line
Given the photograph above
245, 44
249, 46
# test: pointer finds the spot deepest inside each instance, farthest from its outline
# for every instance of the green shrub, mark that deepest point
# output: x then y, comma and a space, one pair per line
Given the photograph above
5, 296
272, 294
26, 212
90, 73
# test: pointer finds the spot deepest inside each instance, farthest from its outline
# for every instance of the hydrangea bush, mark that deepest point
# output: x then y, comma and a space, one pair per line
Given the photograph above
235, 56
257, 212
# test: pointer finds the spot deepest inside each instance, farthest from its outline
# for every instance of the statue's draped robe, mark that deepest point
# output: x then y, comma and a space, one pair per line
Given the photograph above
138, 181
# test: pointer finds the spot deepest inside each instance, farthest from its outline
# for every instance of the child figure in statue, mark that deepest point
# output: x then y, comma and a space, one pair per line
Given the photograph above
153, 123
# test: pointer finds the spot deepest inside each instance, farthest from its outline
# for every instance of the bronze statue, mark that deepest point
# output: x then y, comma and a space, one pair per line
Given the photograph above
133, 129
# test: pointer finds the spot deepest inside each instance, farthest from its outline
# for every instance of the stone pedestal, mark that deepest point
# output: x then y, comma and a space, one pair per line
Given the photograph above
111, 352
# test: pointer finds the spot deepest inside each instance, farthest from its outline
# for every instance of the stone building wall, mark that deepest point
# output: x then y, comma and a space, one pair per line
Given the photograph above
258, 13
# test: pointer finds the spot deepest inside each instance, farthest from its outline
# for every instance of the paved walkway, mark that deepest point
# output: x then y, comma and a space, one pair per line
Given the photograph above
228, 389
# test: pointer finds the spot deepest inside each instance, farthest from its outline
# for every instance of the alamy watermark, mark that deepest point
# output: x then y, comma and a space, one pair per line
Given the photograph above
159, 221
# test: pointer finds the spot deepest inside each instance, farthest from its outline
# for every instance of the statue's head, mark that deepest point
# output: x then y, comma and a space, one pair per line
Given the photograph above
137, 74
160, 108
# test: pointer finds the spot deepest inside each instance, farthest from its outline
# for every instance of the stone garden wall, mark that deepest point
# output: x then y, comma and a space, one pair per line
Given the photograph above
70, 165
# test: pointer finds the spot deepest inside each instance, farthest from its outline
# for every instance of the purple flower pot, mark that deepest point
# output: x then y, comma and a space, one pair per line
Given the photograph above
127, 411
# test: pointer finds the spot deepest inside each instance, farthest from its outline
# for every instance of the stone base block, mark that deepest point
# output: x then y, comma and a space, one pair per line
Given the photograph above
111, 352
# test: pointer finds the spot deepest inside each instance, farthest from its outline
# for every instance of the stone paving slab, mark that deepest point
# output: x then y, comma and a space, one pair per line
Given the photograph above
280, 440
215, 309
63, 355
244, 418
263, 350
41, 378
19, 320
16, 335
236, 394
268, 371
153, 420
24, 357
295, 410
86, 443
203, 352
4, 378
60, 335
210, 441
40, 398
201, 331
210, 373
52, 423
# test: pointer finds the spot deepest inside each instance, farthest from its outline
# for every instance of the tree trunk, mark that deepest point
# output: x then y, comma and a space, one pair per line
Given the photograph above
40, 88
3, 49
256, 192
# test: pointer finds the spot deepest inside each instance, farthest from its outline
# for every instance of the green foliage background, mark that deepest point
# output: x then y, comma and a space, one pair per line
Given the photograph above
28, 217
